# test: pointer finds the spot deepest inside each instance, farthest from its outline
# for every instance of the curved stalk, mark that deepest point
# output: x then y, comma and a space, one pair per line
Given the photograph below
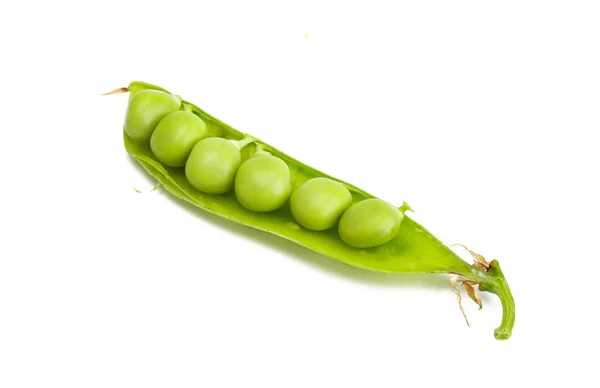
493, 281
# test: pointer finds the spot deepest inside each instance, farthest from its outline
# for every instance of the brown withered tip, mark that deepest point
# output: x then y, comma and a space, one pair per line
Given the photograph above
117, 91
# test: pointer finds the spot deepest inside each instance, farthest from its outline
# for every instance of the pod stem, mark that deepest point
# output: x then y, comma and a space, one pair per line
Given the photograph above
498, 285
490, 278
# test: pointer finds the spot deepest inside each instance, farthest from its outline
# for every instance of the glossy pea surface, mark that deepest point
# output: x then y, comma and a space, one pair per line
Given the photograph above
319, 203
145, 110
262, 183
370, 223
212, 165
174, 137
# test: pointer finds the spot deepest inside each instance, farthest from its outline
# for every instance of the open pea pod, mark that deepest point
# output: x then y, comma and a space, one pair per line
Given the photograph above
412, 250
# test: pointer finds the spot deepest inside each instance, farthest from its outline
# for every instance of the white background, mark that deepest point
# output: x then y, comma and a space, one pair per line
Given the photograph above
484, 116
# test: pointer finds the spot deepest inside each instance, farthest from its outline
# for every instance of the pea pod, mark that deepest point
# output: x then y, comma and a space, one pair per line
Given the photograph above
407, 248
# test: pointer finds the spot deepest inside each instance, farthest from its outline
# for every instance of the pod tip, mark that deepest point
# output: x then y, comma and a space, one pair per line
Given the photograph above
116, 91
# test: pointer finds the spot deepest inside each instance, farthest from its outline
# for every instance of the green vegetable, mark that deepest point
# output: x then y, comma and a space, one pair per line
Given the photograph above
372, 234
262, 183
370, 223
174, 137
212, 165
319, 203
146, 109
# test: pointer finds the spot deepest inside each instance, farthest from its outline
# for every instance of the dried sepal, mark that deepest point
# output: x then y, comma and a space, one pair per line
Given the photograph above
454, 286
472, 292
479, 260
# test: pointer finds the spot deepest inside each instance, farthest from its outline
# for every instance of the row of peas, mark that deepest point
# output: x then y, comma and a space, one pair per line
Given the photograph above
262, 182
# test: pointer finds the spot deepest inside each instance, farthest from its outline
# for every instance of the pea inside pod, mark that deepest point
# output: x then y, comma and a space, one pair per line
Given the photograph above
370, 223
146, 109
174, 137
262, 183
212, 165
319, 203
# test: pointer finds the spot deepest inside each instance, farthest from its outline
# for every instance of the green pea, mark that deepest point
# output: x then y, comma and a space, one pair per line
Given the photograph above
319, 203
212, 165
370, 223
174, 137
145, 110
262, 183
